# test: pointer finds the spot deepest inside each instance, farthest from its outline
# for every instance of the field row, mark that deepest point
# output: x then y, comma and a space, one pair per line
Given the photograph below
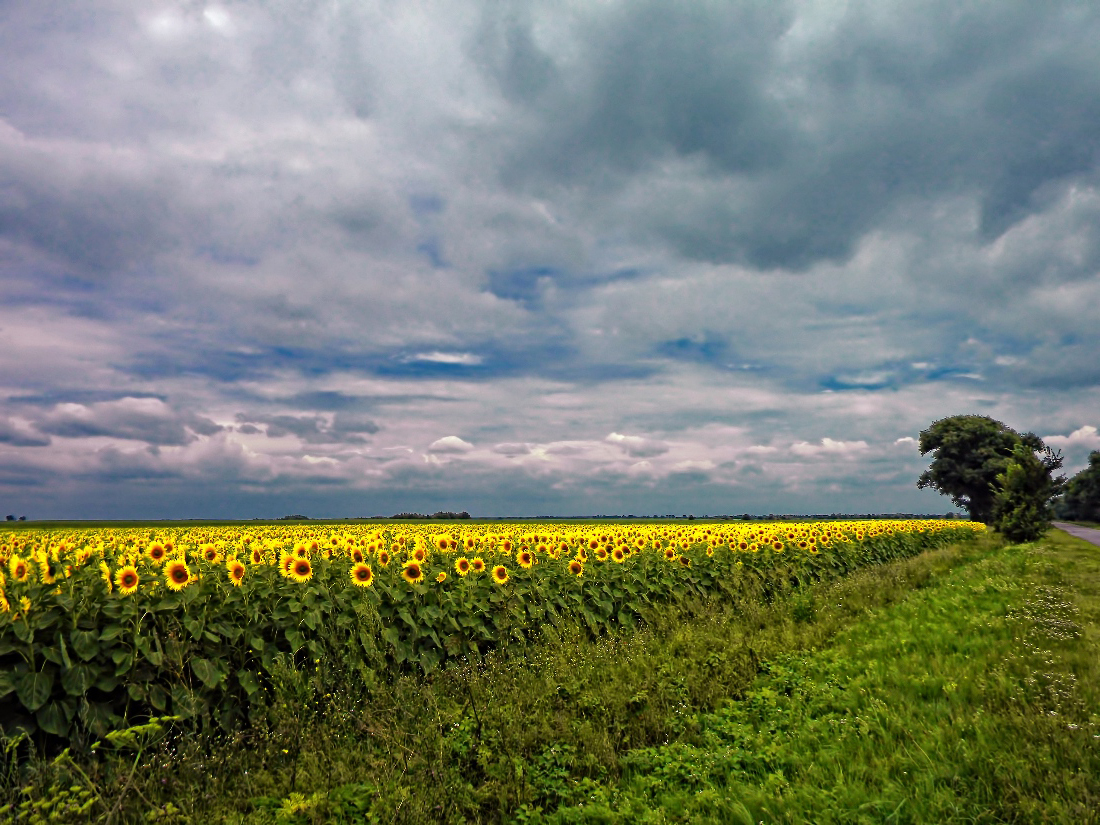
101, 626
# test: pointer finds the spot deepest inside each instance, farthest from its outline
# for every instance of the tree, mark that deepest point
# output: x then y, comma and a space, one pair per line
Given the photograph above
1021, 500
969, 452
1081, 501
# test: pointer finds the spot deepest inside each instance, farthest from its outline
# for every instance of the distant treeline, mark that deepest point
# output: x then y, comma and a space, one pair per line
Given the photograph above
436, 516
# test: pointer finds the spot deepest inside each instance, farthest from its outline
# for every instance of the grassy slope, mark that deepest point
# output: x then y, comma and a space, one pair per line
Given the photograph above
938, 689
974, 701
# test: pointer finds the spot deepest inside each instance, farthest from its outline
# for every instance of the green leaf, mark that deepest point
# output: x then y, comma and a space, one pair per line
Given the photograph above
207, 671
64, 650
55, 718
23, 631
194, 627
85, 643
109, 634
33, 689
248, 681
77, 679
158, 698
391, 635
294, 638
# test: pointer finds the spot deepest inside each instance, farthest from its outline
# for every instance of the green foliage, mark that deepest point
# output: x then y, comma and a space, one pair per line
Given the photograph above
973, 701
1021, 502
969, 452
84, 659
1081, 501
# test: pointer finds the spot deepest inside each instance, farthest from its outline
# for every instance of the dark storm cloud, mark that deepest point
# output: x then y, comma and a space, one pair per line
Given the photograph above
311, 429
804, 148
137, 419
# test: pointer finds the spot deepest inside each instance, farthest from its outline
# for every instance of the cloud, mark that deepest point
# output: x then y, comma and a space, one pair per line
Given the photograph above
636, 446
451, 444
284, 248
20, 436
139, 419
828, 447
465, 359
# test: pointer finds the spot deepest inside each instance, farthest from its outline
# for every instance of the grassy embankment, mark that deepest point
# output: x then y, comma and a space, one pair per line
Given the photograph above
958, 686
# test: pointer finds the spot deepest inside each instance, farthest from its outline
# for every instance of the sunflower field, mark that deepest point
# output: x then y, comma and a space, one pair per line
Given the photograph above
99, 627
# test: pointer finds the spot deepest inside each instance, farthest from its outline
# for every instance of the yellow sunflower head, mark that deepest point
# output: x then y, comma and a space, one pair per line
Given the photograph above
500, 574
413, 573
176, 575
156, 552
362, 575
127, 580
576, 568
236, 572
462, 565
477, 564
525, 559
301, 570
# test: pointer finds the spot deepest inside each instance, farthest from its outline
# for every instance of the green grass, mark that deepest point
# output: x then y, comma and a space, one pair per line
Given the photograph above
957, 686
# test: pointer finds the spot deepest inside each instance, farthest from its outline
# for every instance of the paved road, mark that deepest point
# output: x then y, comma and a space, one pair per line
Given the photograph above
1086, 533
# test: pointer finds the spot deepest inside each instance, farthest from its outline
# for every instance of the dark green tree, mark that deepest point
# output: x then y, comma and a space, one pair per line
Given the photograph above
969, 452
1021, 497
1081, 501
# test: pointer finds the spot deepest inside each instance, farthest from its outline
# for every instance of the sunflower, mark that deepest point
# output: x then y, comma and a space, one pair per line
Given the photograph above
236, 572
618, 555
576, 568
257, 555
176, 574
777, 546
419, 554
384, 558
211, 554
442, 577
45, 566
4, 606
286, 561
357, 555
500, 574
525, 559
156, 552
362, 575
593, 543
685, 561
670, 554
443, 543
462, 565
301, 571
477, 565
601, 553
19, 568
302, 552
506, 546
127, 580
105, 571
413, 572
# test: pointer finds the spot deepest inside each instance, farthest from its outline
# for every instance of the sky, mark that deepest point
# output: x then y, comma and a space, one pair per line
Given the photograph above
537, 258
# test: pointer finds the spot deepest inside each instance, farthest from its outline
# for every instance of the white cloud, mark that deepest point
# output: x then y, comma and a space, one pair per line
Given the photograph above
450, 444
828, 446
467, 359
